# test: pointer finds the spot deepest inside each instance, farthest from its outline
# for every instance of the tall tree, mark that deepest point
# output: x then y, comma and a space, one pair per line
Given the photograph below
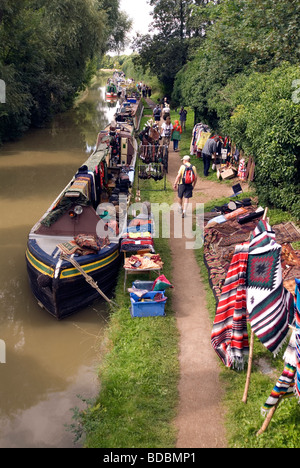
165, 50
240, 36
49, 51
118, 24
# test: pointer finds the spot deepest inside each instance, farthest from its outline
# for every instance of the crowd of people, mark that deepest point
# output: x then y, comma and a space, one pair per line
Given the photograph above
169, 132
144, 90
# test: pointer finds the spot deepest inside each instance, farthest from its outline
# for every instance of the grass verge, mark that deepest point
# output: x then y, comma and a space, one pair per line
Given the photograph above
139, 373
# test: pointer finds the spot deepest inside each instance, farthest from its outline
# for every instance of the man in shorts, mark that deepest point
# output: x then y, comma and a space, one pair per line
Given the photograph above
185, 191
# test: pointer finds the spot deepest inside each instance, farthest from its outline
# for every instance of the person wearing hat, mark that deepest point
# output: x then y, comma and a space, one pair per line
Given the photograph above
185, 190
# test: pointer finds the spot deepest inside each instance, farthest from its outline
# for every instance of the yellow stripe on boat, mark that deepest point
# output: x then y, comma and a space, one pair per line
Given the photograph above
72, 272
38, 265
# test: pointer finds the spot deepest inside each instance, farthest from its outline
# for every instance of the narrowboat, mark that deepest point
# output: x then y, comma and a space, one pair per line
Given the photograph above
73, 251
111, 93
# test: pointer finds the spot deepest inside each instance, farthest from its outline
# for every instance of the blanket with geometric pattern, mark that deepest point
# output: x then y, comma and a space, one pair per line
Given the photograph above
297, 313
270, 306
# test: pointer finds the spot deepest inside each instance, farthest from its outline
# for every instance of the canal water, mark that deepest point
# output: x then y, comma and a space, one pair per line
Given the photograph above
50, 366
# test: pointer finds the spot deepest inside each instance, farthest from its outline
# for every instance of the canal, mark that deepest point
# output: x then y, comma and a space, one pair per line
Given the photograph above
49, 366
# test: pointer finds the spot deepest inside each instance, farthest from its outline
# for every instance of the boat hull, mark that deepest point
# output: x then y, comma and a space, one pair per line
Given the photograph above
63, 291
58, 286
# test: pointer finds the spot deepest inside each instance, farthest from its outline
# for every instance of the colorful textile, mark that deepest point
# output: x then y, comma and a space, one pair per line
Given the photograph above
144, 262
230, 335
297, 312
288, 383
161, 283
89, 242
284, 388
270, 305
81, 185
242, 170
203, 137
134, 245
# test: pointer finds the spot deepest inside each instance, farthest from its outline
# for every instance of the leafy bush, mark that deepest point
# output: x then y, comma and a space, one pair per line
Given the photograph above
264, 121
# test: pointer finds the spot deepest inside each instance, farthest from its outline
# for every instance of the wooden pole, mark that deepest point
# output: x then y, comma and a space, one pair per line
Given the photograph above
245, 396
268, 419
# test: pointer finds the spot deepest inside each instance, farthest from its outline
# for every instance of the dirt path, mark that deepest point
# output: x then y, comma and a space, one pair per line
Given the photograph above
200, 416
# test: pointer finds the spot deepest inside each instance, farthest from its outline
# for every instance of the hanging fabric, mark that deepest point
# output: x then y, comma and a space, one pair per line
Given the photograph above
270, 306
230, 335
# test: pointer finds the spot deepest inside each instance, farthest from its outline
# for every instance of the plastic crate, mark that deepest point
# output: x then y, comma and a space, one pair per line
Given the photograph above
147, 285
149, 308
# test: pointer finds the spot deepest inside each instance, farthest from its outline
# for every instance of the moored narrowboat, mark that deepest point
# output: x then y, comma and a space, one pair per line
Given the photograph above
111, 92
76, 242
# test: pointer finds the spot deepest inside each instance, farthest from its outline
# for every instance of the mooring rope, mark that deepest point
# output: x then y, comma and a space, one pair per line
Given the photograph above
88, 278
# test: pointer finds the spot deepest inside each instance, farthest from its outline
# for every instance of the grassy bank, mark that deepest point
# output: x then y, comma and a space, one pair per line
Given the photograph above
139, 374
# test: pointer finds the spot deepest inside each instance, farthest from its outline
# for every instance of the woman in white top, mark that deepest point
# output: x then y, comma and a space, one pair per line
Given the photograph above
166, 111
166, 131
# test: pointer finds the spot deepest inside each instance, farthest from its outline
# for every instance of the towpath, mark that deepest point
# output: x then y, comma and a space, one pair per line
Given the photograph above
200, 416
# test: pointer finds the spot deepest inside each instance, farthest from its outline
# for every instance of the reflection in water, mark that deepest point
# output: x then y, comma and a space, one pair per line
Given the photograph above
48, 363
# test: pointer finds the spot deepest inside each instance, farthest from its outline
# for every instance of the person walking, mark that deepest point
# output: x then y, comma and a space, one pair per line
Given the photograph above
183, 116
157, 113
166, 131
166, 111
185, 183
176, 135
209, 151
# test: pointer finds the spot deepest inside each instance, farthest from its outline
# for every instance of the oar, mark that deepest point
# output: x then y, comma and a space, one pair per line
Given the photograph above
245, 396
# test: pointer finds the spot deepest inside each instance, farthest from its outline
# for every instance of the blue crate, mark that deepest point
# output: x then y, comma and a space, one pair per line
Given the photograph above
148, 308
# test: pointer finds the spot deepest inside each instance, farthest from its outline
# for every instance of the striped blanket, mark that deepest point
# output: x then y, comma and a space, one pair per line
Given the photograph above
270, 306
297, 312
230, 335
284, 388
288, 384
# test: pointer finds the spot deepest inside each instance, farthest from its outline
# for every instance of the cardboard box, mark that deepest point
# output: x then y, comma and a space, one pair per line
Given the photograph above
228, 174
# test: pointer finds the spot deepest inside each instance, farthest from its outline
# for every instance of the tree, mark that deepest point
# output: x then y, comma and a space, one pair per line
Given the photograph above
166, 50
264, 121
49, 52
239, 36
118, 24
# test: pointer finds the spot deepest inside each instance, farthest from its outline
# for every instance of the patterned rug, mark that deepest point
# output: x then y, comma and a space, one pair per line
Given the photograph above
270, 306
297, 310
288, 384
229, 334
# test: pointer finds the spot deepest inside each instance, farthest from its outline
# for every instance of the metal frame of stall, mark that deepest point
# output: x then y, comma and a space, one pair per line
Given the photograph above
149, 159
